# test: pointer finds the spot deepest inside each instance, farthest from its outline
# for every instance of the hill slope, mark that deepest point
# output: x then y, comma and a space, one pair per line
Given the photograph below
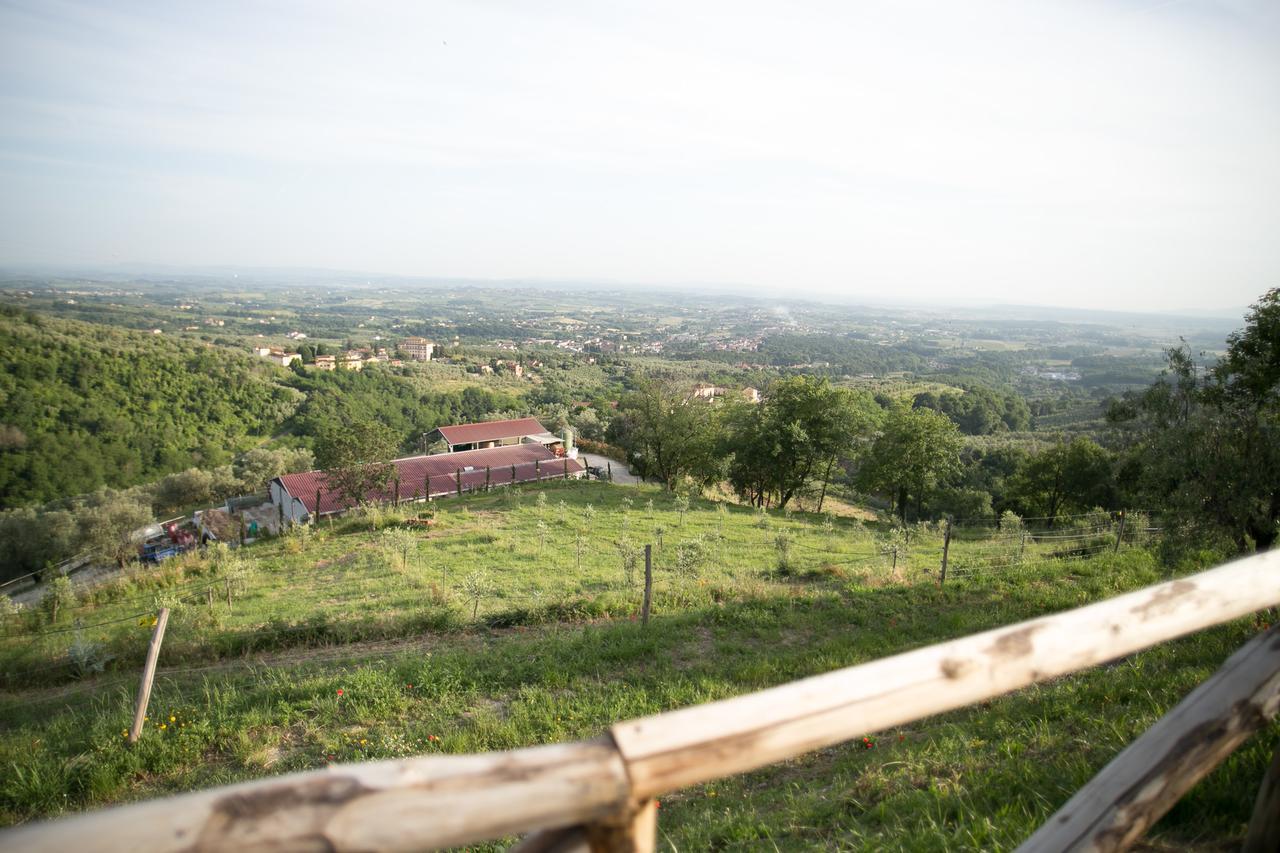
86, 405
541, 648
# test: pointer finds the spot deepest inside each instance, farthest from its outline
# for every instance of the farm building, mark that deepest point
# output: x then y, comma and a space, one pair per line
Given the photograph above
302, 496
494, 434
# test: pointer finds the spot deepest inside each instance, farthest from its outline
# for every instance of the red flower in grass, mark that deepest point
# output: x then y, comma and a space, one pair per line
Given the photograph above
339, 691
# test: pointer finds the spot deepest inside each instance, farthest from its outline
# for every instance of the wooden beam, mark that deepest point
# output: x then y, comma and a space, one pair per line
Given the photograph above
694, 745
1145, 780
1264, 826
404, 805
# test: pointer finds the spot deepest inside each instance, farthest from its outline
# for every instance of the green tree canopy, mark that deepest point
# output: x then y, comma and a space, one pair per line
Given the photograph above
356, 458
916, 451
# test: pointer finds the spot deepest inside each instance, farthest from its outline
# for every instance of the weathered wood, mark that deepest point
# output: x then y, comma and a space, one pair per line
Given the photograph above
946, 547
705, 742
458, 476
148, 673
1144, 781
1264, 826
634, 830
1119, 534
317, 518
648, 584
410, 804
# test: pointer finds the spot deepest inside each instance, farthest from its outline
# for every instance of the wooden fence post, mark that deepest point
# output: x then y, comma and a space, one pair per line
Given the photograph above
1151, 774
397, 493
486, 478
513, 474
317, 516
609, 468
1264, 826
648, 584
209, 595
566, 467
241, 528
632, 831
280, 507
946, 546
426, 486
1022, 547
1119, 534
148, 673
458, 476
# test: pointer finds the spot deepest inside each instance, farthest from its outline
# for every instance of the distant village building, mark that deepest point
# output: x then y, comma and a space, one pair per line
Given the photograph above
277, 356
707, 391
306, 496
751, 395
418, 349
494, 434
351, 360
326, 362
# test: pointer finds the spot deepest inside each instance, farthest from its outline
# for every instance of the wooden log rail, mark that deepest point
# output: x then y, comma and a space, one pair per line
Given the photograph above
598, 794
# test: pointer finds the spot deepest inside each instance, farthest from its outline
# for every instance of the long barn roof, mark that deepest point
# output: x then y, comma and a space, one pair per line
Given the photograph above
491, 430
441, 471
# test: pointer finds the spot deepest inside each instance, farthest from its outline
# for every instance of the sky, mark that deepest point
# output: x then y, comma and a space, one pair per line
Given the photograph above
1119, 154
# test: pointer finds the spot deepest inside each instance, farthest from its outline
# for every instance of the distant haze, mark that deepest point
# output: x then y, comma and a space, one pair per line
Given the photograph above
1117, 154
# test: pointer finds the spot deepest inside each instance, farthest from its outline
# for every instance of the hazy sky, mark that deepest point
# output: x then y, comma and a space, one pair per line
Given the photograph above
1105, 154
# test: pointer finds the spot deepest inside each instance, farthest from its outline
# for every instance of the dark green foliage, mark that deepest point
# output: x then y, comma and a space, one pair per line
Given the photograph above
667, 435
343, 396
1206, 443
979, 410
917, 451
794, 439
1065, 478
86, 406
355, 457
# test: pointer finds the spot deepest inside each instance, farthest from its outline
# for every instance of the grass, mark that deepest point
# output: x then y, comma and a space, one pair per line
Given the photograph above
981, 778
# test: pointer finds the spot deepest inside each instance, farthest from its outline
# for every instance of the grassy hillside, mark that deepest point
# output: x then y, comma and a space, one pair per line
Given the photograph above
84, 405
338, 648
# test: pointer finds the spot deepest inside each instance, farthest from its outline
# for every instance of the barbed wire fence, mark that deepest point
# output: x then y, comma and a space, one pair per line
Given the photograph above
976, 550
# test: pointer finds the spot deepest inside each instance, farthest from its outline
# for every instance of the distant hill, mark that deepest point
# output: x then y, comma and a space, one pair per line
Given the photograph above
84, 405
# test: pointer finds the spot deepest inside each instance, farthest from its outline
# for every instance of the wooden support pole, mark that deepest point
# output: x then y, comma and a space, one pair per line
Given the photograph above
458, 476
280, 507
317, 516
1264, 826
513, 475
537, 469
397, 493
148, 673
426, 486
486, 478
648, 584
242, 528
632, 831
1148, 778
209, 595
609, 468
1022, 547
566, 467
1119, 534
946, 547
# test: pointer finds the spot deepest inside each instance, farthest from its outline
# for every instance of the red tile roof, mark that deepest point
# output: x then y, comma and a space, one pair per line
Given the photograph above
491, 430
441, 473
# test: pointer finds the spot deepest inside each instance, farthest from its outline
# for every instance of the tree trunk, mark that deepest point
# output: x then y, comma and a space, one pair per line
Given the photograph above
826, 478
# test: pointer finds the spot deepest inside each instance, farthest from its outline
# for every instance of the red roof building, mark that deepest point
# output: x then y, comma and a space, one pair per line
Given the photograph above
494, 434
428, 477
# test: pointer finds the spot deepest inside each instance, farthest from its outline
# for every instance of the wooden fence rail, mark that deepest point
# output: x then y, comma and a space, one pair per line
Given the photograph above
597, 794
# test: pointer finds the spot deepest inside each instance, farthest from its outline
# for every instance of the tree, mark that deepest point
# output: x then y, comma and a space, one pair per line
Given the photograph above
792, 441
1205, 443
916, 451
667, 435
110, 529
355, 458
1067, 476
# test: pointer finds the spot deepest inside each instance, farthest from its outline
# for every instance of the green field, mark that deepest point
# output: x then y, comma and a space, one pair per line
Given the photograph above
486, 638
